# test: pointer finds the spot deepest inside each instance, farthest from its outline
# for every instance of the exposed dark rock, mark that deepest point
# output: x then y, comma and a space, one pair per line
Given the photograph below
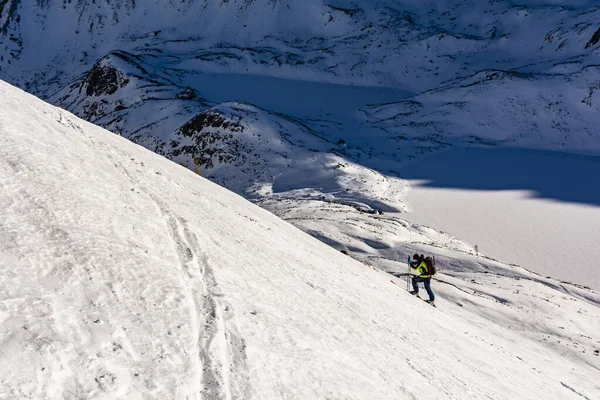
189, 94
349, 12
212, 140
594, 40
104, 80
8, 13
113, 72
94, 110
209, 119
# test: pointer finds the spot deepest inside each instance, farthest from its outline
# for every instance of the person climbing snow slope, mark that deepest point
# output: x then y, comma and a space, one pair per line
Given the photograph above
419, 264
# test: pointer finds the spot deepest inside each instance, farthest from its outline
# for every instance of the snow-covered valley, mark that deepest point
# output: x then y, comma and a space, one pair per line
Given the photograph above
125, 275
535, 208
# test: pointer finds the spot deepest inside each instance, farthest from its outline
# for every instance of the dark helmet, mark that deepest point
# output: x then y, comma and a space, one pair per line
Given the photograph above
416, 257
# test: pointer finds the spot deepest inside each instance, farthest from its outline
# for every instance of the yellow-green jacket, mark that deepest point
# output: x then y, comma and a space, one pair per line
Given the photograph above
421, 268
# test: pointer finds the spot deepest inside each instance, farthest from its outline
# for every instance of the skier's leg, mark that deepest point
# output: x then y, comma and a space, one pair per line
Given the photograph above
415, 284
427, 283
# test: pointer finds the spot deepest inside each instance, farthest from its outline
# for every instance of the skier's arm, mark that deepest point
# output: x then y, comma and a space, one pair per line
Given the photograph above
413, 265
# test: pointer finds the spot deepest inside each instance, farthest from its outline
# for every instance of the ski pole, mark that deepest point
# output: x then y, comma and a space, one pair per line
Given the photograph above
408, 276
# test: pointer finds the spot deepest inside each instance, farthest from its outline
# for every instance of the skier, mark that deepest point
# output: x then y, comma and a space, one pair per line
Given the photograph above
418, 263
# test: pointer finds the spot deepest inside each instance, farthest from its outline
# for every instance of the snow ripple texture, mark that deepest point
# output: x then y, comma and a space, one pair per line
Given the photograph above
124, 275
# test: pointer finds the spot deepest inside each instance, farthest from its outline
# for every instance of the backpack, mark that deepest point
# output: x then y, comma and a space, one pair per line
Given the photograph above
430, 262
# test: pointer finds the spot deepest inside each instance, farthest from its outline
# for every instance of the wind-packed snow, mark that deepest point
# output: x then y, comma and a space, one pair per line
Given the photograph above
125, 275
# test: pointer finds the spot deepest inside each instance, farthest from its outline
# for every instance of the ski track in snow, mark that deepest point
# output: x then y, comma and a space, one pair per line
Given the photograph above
220, 350
219, 362
575, 391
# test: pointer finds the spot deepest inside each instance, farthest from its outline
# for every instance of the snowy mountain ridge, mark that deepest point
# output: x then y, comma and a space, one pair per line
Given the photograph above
127, 275
379, 42
565, 118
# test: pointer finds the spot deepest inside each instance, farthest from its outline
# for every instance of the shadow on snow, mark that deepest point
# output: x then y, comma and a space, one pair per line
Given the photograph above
545, 174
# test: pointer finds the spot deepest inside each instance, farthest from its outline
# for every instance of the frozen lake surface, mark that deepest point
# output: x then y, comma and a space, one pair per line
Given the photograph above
540, 209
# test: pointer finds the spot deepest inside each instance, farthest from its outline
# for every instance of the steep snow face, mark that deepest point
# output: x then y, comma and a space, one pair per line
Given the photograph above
126, 275
218, 87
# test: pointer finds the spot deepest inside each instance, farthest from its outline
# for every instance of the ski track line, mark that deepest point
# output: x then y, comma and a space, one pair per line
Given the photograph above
575, 391
219, 361
219, 349
230, 352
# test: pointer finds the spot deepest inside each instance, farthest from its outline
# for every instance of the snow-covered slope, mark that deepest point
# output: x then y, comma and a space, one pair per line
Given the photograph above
264, 98
415, 45
125, 275
242, 146
503, 108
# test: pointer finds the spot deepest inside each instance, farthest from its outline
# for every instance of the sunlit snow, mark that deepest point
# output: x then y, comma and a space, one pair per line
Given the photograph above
125, 275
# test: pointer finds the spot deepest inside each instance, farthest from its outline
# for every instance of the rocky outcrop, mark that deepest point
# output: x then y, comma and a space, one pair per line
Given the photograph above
104, 80
594, 40
109, 74
8, 12
211, 139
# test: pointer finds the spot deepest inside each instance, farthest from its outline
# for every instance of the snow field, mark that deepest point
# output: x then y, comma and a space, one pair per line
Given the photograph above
129, 276
534, 208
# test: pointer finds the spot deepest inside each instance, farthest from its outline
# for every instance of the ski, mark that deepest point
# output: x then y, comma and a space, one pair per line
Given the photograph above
431, 304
